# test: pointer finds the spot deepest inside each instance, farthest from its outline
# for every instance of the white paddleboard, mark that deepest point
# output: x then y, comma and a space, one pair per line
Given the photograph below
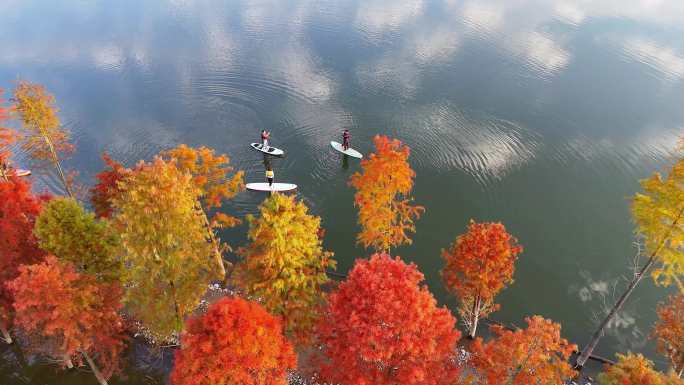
274, 187
350, 152
22, 172
271, 150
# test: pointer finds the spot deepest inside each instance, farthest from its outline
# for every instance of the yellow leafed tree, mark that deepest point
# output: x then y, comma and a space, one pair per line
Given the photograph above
217, 181
164, 247
659, 216
43, 136
285, 264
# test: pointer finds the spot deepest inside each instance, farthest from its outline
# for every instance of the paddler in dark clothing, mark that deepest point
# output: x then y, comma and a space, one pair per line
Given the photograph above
346, 140
269, 176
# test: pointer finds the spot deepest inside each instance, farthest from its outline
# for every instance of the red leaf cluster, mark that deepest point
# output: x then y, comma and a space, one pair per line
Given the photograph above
107, 187
381, 327
19, 209
69, 313
237, 342
536, 355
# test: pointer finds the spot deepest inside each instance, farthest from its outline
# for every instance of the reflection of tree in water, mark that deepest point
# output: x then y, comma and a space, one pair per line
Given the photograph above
598, 296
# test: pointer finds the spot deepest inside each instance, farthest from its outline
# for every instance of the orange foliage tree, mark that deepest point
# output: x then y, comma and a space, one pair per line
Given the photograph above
383, 191
634, 369
479, 264
669, 332
536, 355
19, 209
71, 315
237, 342
381, 327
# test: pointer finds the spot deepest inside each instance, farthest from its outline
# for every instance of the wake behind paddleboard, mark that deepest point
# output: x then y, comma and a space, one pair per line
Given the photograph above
270, 150
274, 187
350, 151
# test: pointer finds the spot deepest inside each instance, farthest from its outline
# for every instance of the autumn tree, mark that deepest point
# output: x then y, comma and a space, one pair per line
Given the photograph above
237, 342
284, 264
65, 229
18, 246
72, 316
163, 246
217, 181
7, 137
44, 139
383, 327
479, 264
658, 213
383, 191
635, 369
669, 332
107, 186
536, 355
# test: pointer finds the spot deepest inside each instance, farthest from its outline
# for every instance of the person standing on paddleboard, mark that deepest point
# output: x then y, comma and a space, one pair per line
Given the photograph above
269, 176
265, 135
346, 139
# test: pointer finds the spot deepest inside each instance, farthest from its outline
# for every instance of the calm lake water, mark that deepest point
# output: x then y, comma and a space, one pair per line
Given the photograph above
540, 114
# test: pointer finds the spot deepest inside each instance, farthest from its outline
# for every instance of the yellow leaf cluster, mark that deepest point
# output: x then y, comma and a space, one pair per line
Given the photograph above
284, 264
164, 248
658, 213
43, 134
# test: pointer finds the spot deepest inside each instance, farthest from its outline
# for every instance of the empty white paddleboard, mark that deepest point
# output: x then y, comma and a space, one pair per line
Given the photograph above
350, 152
274, 187
22, 172
270, 150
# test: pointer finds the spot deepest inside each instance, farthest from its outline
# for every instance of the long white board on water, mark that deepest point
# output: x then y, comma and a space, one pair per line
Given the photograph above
349, 151
274, 187
269, 150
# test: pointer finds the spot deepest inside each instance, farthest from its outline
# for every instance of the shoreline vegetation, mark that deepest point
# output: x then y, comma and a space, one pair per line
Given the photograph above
90, 272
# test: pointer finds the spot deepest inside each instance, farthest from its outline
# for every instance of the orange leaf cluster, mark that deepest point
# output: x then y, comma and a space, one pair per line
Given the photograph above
19, 209
635, 369
237, 342
536, 355
382, 196
210, 173
481, 262
70, 312
669, 331
381, 327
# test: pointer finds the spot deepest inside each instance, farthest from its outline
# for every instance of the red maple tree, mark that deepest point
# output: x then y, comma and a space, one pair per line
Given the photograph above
236, 342
479, 264
70, 316
107, 187
382, 327
536, 355
19, 208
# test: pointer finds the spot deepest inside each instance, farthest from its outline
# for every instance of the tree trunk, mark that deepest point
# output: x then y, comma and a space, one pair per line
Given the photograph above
214, 242
179, 322
96, 371
477, 304
589, 348
6, 335
67, 361
55, 159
